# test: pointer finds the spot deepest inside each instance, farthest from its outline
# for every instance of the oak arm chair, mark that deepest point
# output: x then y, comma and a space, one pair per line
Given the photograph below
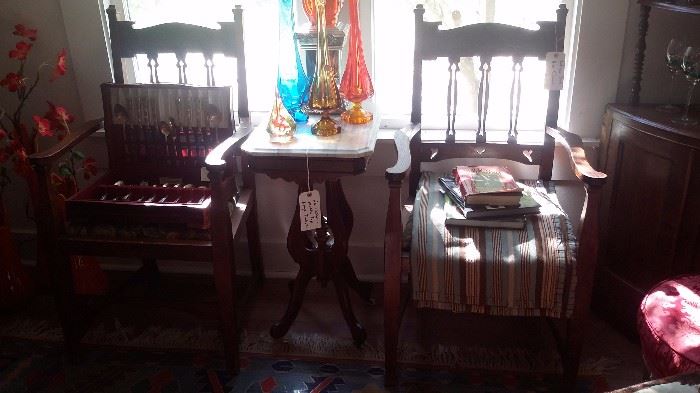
232, 208
485, 40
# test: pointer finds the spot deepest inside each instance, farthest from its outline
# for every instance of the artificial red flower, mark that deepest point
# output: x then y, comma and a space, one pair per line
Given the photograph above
12, 81
60, 68
23, 31
21, 50
43, 126
59, 118
59, 113
3, 134
89, 167
22, 166
14, 147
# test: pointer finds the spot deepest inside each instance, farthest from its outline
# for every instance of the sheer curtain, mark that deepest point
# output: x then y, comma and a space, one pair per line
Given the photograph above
393, 51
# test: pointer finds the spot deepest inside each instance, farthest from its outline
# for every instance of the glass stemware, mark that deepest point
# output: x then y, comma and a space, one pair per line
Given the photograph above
691, 68
674, 60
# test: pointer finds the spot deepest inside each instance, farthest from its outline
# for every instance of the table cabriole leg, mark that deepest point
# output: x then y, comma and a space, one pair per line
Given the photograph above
341, 221
323, 253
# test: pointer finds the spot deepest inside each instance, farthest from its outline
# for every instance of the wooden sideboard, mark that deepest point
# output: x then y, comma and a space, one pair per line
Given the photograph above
650, 210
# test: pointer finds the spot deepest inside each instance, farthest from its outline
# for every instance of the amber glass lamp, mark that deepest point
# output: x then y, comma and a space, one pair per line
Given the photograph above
356, 85
323, 92
332, 9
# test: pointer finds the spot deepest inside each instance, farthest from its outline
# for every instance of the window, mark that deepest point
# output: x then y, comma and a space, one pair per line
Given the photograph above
260, 40
394, 61
390, 54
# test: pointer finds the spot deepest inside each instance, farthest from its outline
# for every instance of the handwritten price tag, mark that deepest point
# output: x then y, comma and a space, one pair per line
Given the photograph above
554, 75
204, 174
310, 210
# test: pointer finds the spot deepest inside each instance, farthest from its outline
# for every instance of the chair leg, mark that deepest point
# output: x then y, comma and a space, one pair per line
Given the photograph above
224, 280
572, 356
64, 296
254, 250
151, 274
392, 323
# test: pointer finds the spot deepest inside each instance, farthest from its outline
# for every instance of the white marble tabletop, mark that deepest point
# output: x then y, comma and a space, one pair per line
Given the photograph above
353, 141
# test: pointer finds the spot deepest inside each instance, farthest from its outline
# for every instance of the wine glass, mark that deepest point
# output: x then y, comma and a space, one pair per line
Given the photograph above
674, 61
691, 68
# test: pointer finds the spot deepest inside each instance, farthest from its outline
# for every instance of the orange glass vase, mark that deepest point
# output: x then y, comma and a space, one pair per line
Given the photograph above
332, 11
356, 84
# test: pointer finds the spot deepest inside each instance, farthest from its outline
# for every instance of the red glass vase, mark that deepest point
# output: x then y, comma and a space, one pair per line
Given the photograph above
332, 10
356, 84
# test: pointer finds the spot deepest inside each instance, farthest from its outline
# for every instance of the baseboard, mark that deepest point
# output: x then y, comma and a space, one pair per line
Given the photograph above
367, 260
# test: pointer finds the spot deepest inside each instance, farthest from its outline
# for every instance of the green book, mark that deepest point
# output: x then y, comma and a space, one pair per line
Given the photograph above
526, 205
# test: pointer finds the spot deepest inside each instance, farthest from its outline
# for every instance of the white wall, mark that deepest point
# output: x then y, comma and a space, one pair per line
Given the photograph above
45, 15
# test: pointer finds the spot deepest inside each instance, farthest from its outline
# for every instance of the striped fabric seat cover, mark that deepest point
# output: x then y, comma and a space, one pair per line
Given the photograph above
528, 272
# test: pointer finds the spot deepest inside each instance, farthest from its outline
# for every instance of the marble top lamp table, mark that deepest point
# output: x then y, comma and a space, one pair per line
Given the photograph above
322, 252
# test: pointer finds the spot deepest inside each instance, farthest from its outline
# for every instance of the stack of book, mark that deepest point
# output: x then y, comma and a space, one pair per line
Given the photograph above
486, 196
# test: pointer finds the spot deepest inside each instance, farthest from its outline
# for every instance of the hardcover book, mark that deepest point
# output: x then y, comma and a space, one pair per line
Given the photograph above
526, 205
454, 217
487, 185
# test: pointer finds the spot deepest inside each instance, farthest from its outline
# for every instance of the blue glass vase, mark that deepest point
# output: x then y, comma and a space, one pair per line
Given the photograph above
291, 79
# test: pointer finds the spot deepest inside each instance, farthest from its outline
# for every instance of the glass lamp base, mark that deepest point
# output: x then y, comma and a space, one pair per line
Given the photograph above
668, 108
281, 138
325, 127
356, 115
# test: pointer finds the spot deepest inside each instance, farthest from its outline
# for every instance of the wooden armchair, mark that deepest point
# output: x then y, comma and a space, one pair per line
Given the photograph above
475, 274
154, 132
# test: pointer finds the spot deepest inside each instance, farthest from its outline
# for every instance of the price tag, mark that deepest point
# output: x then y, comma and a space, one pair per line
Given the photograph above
554, 76
310, 210
204, 174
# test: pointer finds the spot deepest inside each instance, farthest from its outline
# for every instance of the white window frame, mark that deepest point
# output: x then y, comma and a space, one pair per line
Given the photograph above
598, 34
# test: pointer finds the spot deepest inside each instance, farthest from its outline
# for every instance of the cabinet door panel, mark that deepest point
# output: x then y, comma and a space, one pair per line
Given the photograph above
646, 200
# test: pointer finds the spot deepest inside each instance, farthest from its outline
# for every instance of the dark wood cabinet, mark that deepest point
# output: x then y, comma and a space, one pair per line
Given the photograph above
650, 210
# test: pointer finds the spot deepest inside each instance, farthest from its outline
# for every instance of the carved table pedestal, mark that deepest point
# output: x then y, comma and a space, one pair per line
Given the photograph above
323, 252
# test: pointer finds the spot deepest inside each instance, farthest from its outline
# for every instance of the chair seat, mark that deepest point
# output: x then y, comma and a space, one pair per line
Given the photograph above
492, 271
669, 326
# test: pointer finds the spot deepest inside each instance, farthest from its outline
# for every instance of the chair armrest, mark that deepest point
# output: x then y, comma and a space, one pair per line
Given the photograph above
574, 146
216, 160
77, 134
402, 141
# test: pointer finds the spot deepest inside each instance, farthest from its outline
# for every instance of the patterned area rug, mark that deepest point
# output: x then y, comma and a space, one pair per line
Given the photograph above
30, 366
310, 345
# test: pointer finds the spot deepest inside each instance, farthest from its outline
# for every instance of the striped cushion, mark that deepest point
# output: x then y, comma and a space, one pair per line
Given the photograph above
528, 272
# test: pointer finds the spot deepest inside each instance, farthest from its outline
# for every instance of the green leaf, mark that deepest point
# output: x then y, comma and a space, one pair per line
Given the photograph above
64, 170
77, 155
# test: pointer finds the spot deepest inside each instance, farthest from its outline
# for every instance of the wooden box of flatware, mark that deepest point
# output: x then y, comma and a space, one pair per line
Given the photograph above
158, 137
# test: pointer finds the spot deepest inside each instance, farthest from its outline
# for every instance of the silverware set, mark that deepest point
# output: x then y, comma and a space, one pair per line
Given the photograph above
161, 194
170, 122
